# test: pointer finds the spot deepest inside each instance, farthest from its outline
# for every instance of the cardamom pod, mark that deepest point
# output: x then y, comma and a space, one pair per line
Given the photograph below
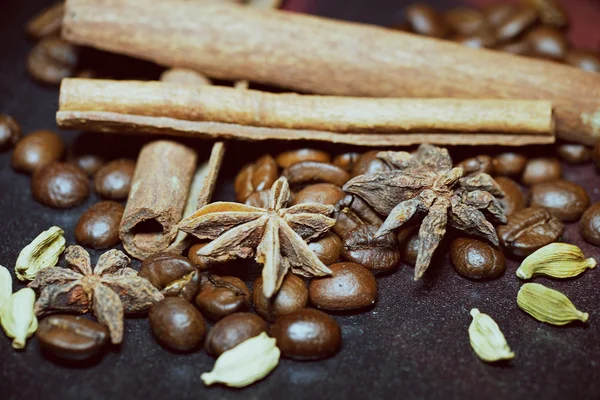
5, 286
17, 317
245, 364
558, 260
42, 253
548, 305
486, 338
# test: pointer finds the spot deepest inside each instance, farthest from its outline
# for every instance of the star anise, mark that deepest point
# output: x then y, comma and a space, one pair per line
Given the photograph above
111, 289
276, 235
426, 183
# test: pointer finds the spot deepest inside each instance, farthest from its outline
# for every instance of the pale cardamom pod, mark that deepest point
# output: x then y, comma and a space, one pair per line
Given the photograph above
5, 286
548, 305
245, 364
42, 253
17, 317
558, 260
486, 338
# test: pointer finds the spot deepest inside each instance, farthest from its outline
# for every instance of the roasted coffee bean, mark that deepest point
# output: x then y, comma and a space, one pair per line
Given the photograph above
362, 246
289, 158
307, 335
478, 40
352, 211
425, 20
90, 163
509, 164
328, 248
548, 42
585, 60
259, 199
496, 13
464, 20
350, 287
255, 177
36, 150
529, 230
410, 250
320, 193
520, 47
550, 12
60, 185
589, 226
540, 170
70, 337
476, 259
574, 153
98, 226
368, 163
292, 296
113, 180
516, 23
565, 200
51, 60
220, 296
177, 324
514, 197
474, 165
173, 275
306, 172
10, 132
346, 161
233, 330
201, 262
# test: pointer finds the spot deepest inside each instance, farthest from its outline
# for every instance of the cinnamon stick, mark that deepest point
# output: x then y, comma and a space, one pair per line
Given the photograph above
157, 198
319, 55
214, 111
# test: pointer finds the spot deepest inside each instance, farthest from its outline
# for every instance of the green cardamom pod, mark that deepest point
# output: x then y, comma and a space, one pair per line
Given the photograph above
5, 286
548, 305
42, 253
17, 317
558, 260
486, 338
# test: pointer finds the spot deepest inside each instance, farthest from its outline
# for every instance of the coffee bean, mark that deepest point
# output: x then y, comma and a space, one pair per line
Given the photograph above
292, 296
424, 20
177, 324
328, 248
221, 296
574, 153
350, 287
70, 337
476, 259
201, 262
368, 163
51, 60
410, 251
255, 177
113, 180
550, 12
10, 132
478, 40
307, 334
514, 198
173, 275
289, 158
346, 161
352, 211
585, 60
98, 226
362, 246
320, 193
36, 150
548, 42
474, 165
233, 330
529, 230
540, 170
496, 13
519, 46
464, 20
565, 200
509, 164
516, 23
60, 185
589, 226
259, 199
306, 172
90, 163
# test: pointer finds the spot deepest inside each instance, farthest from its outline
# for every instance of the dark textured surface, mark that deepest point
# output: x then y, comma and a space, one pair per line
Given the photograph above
413, 344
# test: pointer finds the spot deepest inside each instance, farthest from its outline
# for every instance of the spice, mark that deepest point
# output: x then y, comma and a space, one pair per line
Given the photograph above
111, 289
558, 260
42, 253
427, 183
548, 305
486, 338
17, 317
245, 364
275, 236
5, 285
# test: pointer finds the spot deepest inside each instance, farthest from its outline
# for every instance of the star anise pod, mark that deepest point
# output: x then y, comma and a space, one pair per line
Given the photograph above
426, 183
110, 289
276, 235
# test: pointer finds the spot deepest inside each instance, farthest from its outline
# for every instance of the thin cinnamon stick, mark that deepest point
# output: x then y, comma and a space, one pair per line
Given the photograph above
318, 55
158, 195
